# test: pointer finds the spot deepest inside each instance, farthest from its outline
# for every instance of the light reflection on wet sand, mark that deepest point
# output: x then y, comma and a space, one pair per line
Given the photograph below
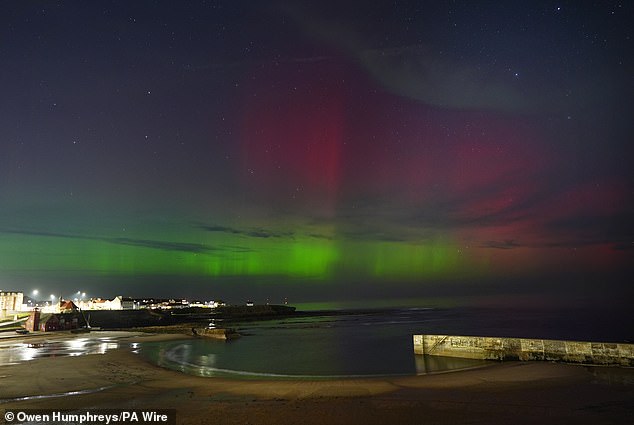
60, 345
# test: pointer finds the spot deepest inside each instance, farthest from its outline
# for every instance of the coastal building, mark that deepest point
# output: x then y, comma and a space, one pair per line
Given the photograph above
33, 322
127, 303
66, 306
44, 322
47, 322
62, 306
216, 304
67, 321
10, 302
162, 303
117, 303
97, 304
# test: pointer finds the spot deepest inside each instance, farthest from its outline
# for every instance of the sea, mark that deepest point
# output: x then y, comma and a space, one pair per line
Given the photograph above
371, 343
338, 344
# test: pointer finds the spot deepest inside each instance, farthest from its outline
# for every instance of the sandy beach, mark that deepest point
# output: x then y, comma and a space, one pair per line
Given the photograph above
508, 393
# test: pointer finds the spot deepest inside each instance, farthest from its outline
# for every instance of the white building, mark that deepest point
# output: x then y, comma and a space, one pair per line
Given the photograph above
117, 303
10, 302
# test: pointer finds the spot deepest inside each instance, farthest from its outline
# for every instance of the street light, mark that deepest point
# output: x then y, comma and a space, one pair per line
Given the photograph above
35, 292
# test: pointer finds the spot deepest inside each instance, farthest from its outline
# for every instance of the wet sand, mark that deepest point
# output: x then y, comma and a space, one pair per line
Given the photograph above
509, 393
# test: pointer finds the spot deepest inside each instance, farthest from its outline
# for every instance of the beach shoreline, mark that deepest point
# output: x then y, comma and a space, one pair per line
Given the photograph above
510, 392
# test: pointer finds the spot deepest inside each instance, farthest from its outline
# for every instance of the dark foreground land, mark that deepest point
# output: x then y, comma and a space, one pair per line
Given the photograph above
506, 393
127, 319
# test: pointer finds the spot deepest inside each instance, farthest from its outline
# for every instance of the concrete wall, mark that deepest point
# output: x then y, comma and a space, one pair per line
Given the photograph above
493, 348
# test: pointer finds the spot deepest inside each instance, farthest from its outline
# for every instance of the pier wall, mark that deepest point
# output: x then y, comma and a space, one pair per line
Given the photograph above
494, 348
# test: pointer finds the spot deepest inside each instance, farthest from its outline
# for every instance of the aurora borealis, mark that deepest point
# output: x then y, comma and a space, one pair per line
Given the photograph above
317, 151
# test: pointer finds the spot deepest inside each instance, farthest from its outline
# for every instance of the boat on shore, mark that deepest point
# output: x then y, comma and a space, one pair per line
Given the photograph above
217, 333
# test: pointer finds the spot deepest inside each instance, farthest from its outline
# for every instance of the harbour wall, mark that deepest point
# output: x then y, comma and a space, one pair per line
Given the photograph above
494, 348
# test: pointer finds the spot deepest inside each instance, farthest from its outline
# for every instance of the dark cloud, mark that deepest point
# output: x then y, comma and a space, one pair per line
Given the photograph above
219, 229
319, 236
238, 248
259, 234
254, 233
582, 230
507, 244
146, 243
624, 246
168, 246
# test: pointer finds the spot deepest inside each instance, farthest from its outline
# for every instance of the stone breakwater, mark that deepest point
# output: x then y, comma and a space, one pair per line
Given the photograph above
495, 348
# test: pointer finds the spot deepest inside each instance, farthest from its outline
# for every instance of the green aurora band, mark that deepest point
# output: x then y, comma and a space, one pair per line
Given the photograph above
227, 255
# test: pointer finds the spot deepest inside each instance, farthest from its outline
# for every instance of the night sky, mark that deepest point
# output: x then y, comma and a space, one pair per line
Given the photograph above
344, 152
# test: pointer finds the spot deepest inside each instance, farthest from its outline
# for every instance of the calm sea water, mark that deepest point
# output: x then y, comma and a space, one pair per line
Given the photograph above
375, 343
367, 343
